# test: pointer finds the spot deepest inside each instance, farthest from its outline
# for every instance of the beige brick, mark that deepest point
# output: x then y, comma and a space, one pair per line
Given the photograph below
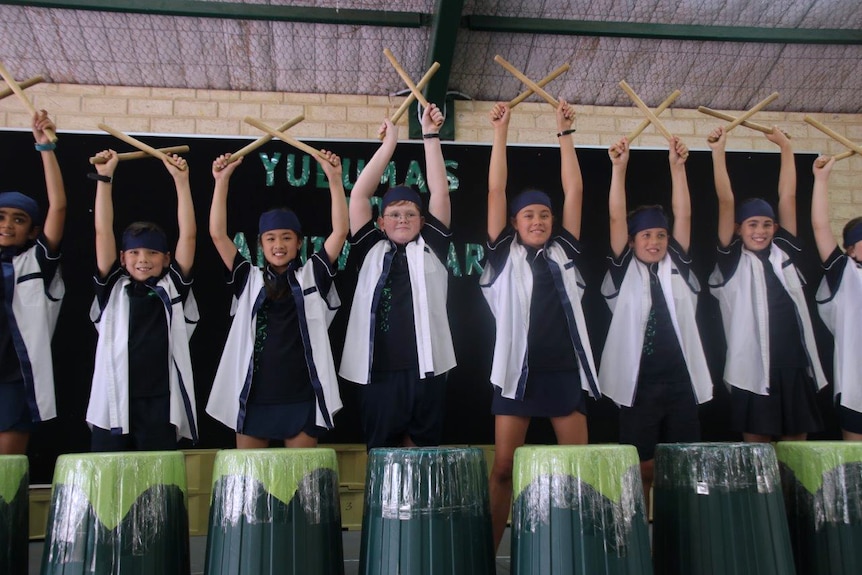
128, 91
280, 113
845, 212
309, 130
857, 198
466, 134
854, 132
56, 103
103, 106
195, 109
365, 114
845, 180
172, 125
129, 123
347, 131
151, 107
217, 95
217, 127
77, 122
326, 113
290, 98
238, 110
174, 93
617, 112
599, 124
261, 97
346, 100
385, 101
79, 89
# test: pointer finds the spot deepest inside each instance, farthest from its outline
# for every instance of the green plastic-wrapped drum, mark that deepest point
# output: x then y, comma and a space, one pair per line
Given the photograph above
718, 508
579, 510
426, 513
275, 511
118, 514
14, 513
822, 482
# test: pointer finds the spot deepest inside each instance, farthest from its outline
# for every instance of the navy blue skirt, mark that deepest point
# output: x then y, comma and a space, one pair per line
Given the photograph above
14, 412
848, 419
280, 420
547, 394
789, 409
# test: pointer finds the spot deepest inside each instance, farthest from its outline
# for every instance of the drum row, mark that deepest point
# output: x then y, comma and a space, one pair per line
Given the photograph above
719, 508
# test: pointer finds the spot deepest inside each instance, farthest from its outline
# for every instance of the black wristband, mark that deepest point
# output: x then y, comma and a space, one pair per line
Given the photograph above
100, 177
431, 136
566, 132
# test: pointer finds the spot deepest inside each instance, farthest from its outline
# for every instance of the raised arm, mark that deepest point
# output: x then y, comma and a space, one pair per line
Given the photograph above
498, 171
786, 181
439, 205
368, 181
106, 243
619, 155
222, 171
823, 237
331, 165
55, 218
184, 254
570, 171
723, 190
680, 198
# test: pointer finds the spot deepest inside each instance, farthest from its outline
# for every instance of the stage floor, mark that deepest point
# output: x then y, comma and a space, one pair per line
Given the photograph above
351, 554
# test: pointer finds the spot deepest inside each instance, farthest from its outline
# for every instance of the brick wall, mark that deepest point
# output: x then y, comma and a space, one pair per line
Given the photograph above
220, 112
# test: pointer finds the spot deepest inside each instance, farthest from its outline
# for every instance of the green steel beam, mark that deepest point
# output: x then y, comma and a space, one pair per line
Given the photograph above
238, 11
662, 31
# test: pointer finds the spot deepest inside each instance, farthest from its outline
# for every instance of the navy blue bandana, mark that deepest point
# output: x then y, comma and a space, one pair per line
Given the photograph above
400, 194
852, 235
278, 219
24, 203
146, 239
647, 219
528, 198
754, 208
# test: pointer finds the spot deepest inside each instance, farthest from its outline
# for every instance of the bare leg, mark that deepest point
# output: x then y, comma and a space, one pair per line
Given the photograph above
571, 429
647, 474
407, 441
14, 442
797, 437
850, 436
510, 431
249, 442
756, 438
301, 439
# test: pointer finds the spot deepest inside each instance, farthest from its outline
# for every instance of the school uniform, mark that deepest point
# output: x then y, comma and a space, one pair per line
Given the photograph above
839, 298
276, 376
32, 291
653, 365
772, 364
398, 345
542, 355
142, 396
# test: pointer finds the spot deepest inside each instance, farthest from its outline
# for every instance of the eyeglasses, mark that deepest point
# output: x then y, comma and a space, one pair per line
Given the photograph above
401, 215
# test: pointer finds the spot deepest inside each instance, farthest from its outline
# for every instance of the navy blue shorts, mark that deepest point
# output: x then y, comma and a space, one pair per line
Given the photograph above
848, 419
398, 403
546, 394
14, 411
281, 420
663, 412
150, 428
789, 409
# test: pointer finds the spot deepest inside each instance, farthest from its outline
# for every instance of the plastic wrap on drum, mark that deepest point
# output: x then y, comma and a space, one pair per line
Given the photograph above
579, 509
118, 512
702, 467
275, 510
822, 482
14, 510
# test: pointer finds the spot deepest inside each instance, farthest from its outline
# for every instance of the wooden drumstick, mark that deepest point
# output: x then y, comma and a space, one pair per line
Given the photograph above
140, 145
740, 119
6, 92
729, 118
406, 77
834, 135
246, 150
647, 112
412, 97
820, 162
139, 155
543, 82
283, 137
15, 87
529, 83
661, 108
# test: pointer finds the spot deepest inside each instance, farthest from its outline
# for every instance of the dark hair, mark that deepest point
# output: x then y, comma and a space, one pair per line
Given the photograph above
852, 224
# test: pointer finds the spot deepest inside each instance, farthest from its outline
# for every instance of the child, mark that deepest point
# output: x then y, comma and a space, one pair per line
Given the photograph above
29, 250
276, 378
143, 392
542, 353
653, 365
398, 345
770, 341
838, 296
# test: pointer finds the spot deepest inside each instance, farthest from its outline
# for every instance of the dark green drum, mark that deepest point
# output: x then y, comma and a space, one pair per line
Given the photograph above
718, 508
14, 513
579, 510
118, 514
426, 513
275, 511
822, 482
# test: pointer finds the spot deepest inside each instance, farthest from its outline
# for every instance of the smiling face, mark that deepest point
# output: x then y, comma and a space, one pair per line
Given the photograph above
757, 232
280, 247
16, 227
534, 224
401, 222
650, 245
144, 263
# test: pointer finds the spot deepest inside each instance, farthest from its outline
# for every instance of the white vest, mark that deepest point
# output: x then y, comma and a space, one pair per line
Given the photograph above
36, 308
429, 284
109, 396
235, 367
509, 295
840, 313
745, 314
630, 306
